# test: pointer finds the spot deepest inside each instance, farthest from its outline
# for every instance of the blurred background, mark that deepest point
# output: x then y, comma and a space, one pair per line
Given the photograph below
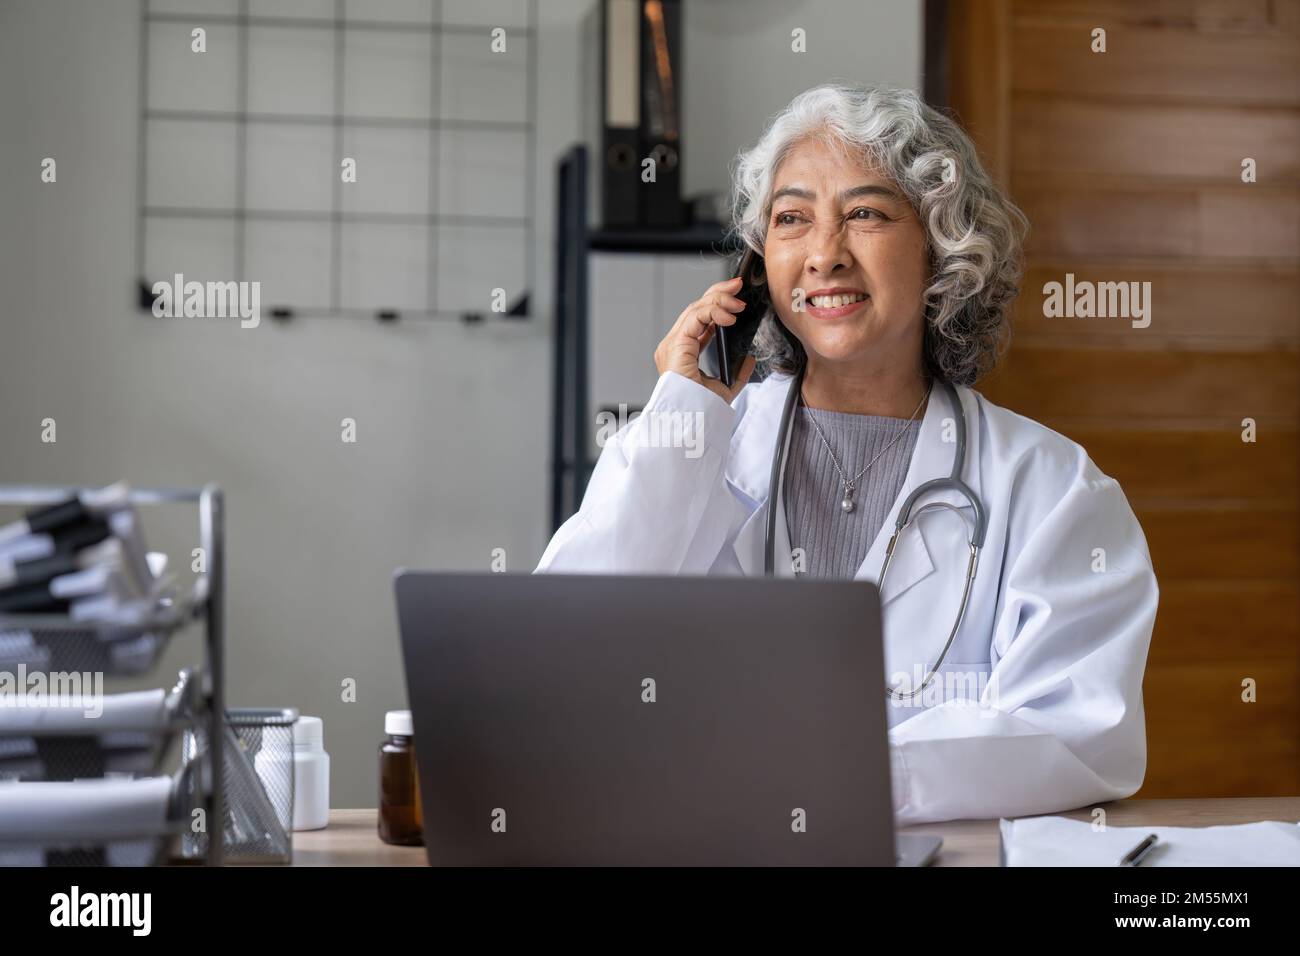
475, 429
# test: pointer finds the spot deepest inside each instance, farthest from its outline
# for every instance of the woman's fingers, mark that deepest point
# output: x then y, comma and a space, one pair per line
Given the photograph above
694, 328
726, 285
711, 312
724, 313
690, 314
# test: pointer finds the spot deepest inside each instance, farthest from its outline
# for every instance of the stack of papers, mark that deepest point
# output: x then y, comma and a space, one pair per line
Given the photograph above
1057, 841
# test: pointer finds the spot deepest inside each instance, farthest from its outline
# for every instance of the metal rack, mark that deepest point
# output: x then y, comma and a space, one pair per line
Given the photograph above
71, 645
337, 121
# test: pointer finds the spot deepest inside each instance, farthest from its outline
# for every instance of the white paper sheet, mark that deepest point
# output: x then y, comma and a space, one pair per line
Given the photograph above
1058, 841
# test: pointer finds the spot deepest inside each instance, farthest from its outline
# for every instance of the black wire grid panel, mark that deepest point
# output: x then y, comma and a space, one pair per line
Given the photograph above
240, 152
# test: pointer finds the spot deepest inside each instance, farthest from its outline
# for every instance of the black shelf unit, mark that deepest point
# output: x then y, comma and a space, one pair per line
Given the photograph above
570, 465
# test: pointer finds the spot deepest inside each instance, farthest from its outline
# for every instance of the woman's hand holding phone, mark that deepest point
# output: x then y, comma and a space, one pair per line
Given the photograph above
680, 350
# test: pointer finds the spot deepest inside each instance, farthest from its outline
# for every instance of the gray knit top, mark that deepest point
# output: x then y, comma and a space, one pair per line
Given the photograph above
836, 542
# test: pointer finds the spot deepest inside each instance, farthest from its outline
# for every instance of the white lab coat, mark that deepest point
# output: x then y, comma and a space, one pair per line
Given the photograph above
1038, 707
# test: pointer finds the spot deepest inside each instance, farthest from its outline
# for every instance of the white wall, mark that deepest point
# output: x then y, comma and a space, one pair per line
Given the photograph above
453, 421
739, 69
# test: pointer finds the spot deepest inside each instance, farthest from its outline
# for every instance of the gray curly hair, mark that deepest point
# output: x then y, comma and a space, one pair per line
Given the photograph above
973, 232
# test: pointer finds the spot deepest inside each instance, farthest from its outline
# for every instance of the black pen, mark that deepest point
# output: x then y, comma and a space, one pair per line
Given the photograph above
1135, 856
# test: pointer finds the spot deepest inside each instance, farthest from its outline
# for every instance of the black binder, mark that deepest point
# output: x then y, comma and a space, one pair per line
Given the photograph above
636, 46
661, 128
616, 32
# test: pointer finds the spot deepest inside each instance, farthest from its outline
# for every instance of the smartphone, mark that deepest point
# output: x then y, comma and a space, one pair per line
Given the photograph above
731, 343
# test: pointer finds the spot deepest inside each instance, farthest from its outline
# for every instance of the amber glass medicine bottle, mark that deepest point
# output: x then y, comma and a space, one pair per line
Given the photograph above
399, 784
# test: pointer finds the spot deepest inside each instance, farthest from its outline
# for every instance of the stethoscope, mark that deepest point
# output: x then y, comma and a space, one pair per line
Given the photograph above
905, 515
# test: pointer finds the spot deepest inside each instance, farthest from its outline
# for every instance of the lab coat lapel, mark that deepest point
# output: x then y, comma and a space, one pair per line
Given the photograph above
749, 470
936, 444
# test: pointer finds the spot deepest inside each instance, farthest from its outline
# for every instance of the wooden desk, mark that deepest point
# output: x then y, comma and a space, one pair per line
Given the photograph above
351, 840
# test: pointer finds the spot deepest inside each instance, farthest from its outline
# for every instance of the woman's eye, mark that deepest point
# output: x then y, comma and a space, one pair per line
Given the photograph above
862, 213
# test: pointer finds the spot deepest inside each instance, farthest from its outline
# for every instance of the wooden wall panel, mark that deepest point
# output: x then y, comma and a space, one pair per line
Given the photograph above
1126, 387
1203, 741
1218, 541
1177, 221
1197, 142
1128, 165
1209, 621
1203, 16
1248, 67
1230, 307
979, 36
1177, 464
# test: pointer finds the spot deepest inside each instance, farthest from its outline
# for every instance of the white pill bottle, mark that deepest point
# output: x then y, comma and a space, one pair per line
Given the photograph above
311, 775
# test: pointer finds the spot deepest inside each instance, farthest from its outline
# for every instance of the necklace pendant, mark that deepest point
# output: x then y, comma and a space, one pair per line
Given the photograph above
846, 504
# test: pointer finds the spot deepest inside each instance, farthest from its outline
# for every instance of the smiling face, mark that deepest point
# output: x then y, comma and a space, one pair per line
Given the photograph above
840, 224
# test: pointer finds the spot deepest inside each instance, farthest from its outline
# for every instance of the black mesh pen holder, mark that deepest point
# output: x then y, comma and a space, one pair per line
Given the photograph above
257, 780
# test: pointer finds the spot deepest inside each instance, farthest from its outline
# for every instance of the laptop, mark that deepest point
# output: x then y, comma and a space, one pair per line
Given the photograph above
598, 720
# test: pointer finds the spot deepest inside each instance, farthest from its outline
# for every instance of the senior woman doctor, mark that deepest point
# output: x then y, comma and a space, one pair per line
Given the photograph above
891, 261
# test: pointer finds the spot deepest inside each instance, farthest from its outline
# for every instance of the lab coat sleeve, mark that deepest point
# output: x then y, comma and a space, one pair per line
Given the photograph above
1060, 724
657, 501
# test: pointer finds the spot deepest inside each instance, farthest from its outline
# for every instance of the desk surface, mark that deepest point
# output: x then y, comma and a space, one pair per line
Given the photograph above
351, 840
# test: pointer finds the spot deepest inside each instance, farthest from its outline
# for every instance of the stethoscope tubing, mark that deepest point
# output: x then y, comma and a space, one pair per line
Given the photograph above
905, 514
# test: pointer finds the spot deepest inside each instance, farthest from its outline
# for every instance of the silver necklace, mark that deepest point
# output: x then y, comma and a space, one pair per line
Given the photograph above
850, 484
